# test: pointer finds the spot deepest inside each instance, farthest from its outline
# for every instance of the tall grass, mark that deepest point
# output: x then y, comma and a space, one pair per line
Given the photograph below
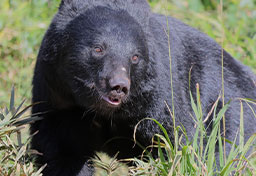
14, 153
22, 25
199, 156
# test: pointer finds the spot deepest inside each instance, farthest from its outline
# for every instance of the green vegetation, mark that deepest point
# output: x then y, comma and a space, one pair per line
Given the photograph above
191, 158
22, 25
14, 151
195, 159
236, 27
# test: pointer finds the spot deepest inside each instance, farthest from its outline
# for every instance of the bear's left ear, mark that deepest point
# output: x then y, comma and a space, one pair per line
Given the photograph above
73, 4
64, 2
71, 8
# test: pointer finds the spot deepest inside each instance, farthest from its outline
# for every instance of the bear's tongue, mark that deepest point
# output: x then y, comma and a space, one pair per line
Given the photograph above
112, 101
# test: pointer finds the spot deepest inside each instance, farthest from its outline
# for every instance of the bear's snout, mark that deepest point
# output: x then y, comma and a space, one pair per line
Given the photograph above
119, 85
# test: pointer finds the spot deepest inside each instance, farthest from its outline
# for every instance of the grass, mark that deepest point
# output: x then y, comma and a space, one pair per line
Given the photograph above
14, 152
193, 157
190, 158
22, 25
238, 18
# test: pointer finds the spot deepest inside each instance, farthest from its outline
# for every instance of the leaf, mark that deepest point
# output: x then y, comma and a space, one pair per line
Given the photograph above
1, 116
12, 99
6, 111
226, 168
246, 148
38, 173
161, 155
17, 110
24, 110
241, 137
27, 121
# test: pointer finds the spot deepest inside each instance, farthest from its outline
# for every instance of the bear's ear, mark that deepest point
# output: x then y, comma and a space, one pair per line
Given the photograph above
73, 3
65, 3
73, 7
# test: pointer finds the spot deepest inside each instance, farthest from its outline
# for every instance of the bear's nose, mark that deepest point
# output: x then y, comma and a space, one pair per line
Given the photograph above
120, 84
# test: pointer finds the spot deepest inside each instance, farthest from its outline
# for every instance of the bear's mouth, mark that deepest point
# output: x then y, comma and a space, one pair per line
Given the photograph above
114, 102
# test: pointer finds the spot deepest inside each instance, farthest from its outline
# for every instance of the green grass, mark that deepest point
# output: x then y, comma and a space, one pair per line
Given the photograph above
22, 25
239, 18
189, 158
14, 145
193, 157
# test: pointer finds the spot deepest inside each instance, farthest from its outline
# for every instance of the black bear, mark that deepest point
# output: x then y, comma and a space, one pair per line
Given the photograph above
104, 65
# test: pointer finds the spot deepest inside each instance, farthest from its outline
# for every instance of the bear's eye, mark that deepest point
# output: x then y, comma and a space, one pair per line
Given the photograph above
135, 59
98, 49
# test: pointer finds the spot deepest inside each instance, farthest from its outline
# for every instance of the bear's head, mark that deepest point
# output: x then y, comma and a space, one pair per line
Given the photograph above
101, 58
107, 51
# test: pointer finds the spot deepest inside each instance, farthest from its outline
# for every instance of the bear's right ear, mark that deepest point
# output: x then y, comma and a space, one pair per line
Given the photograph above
64, 3
73, 2
73, 6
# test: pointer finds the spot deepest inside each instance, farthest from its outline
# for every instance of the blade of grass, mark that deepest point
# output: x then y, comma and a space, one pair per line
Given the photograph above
12, 99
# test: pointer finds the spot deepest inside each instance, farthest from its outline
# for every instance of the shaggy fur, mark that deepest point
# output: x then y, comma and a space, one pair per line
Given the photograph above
72, 78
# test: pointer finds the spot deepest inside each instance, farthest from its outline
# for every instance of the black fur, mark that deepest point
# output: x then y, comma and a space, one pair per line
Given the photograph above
71, 81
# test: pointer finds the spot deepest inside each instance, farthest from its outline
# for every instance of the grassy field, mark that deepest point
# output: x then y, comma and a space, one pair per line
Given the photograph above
22, 26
